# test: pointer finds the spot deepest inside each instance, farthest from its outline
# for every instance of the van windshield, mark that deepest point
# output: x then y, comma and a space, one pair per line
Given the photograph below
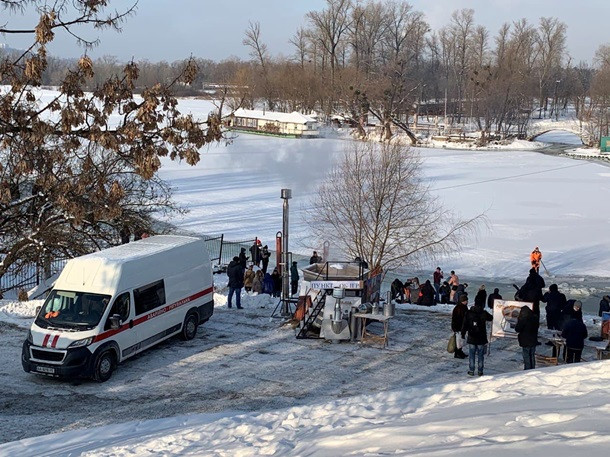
72, 310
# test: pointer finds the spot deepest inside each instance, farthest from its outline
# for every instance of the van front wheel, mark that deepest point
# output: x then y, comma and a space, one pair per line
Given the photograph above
104, 366
189, 329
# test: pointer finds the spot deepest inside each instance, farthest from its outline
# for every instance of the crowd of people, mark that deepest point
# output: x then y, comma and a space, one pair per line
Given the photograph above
469, 324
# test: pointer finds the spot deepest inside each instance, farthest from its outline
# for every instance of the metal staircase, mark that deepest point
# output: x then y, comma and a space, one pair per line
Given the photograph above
311, 316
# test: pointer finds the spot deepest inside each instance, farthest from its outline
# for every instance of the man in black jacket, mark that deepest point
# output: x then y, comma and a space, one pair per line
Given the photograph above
475, 325
604, 305
495, 296
531, 291
575, 332
555, 302
527, 328
235, 272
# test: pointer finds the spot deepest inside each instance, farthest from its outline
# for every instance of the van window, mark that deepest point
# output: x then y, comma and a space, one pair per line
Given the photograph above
149, 297
77, 310
120, 307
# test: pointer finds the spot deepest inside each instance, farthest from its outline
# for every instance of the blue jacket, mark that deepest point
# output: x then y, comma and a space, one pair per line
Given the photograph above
575, 332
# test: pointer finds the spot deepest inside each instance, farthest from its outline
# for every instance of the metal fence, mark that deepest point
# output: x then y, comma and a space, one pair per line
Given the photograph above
27, 276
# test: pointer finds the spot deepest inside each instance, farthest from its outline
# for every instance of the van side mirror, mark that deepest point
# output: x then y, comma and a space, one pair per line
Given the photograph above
115, 321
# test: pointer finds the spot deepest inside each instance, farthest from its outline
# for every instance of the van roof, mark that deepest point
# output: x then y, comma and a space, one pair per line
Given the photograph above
133, 264
141, 248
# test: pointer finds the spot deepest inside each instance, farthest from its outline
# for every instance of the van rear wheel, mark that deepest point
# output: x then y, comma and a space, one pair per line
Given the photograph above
189, 329
104, 366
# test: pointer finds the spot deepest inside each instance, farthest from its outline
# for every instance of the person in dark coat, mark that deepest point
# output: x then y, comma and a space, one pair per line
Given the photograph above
235, 272
555, 302
572, 309
495, 296
397, 291
427, 294
265, 254
461, 289
438, 277
294, 279
457, 321
481, 297
277, 282
444, 292
527, 329
243, 259
315, 258
255, 252
575, 332
531, 291
475, 326
267, 284
604, 305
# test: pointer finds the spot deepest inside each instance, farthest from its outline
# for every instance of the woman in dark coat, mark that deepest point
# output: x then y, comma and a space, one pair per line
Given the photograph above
527, 329
457, 320
481, 297
427, 294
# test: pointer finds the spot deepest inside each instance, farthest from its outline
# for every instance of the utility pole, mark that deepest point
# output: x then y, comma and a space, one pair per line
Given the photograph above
445, 111
286, 195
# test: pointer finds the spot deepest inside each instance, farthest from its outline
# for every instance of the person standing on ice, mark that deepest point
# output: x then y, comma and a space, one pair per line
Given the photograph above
475, 326
536, 258
531, 291
527, 330
457, 321
438, 278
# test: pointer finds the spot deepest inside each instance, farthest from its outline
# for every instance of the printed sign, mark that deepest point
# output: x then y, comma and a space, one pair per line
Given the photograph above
505, 314
319, 285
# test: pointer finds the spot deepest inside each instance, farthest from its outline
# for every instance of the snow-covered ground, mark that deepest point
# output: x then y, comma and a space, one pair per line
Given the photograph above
250, 388
246, 386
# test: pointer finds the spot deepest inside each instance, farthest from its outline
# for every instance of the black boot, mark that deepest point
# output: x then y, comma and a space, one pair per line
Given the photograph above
460, 354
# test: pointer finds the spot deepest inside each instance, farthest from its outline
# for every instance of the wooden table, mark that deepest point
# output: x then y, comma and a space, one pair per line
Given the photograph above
554, 336
367, 337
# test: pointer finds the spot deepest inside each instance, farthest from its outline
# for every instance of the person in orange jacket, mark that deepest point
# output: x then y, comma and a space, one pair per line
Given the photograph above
536, 258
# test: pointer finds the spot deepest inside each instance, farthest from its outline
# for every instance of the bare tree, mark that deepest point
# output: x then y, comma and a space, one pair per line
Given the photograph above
77, 167
376, 205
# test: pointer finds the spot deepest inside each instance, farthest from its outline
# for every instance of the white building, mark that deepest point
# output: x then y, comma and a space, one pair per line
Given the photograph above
270, 122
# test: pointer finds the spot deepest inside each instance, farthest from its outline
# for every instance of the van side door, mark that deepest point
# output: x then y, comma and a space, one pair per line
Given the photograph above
126, 335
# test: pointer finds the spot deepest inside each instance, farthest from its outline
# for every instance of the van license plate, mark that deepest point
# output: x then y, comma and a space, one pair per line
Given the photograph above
46, 370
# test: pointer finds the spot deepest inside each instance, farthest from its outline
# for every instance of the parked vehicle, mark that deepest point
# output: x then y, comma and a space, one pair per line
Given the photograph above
110, 305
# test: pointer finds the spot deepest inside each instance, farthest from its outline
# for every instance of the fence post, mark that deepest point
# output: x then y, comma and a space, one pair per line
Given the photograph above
222, 239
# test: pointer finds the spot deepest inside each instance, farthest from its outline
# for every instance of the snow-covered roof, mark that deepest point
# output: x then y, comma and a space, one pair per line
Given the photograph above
294, 117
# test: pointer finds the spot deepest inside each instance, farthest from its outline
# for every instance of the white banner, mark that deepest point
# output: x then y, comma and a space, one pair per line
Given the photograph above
319, 285
505, 315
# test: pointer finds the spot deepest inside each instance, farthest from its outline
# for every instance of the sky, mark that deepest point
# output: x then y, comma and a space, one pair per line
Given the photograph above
173, 30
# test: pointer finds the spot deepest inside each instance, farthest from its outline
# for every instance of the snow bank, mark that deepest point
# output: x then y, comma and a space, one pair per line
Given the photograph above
558, 411
19, 313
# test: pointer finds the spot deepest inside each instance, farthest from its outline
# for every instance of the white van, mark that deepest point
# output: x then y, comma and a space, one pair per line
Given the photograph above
112, 304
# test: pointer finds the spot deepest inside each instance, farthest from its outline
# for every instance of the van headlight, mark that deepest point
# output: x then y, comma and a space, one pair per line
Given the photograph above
81, 343
30, 337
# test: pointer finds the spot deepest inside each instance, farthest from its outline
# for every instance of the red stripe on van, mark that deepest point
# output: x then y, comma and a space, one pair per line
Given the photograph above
152, 315
46, 340
54, 342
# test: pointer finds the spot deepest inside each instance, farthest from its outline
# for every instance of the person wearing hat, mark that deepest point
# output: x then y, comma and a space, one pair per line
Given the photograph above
604, 305
571, 310
575, 332
555, 303
236, 281
481, 297
475, 325
536, 259
265, 254
294, 278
